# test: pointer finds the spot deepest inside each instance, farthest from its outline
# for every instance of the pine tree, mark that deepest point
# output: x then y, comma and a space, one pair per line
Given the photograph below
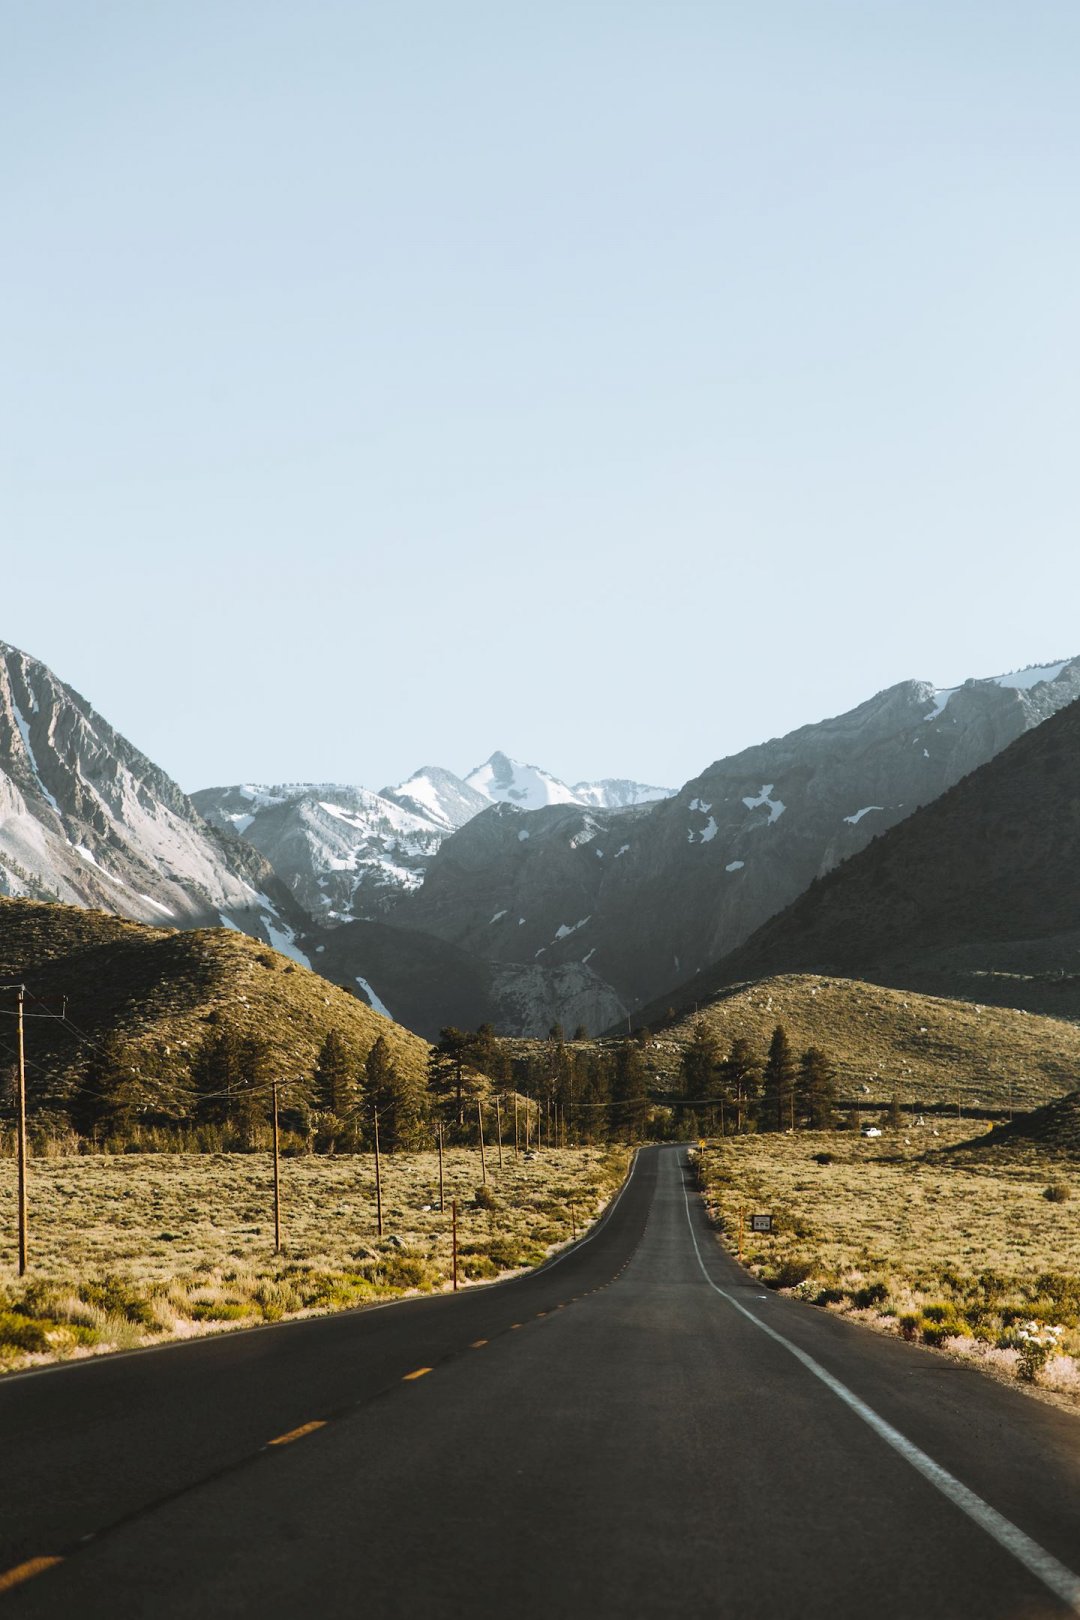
112, 1092
816, 1090
335, 1078
595, 1096
629, 1093
742, 1082
217, 1073
449, 1070
397, 1099
701, 1085
231, 1075
777, 1108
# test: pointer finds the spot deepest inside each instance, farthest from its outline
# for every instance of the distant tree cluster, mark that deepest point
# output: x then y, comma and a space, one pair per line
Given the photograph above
744, 1092
550, 1093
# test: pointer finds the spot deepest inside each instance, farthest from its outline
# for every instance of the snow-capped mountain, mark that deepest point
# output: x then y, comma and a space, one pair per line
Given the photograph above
438, 796
341, 851
502, 780
617, 793
647, 895
85, 818
346, 852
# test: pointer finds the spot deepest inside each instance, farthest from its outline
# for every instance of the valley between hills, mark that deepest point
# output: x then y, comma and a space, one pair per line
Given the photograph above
840, 959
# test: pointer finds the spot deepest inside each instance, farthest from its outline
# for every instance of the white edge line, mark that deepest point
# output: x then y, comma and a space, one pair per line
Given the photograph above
1062, 1582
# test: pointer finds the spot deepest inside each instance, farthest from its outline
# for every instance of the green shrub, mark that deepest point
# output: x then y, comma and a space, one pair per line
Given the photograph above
218, 1311
789, 1273
1033, 1357
117, 1298
1057, 1193
479, 1265
18, 1332
873, 1294
404, 1271
484, 1198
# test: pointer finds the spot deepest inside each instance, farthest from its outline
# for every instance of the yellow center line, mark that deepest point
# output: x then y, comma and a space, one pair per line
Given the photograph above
298, 1434
515, 1325
26, 1572
478, 1344
419, 1373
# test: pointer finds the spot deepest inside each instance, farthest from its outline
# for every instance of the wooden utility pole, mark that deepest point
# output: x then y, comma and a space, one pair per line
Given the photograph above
438, 1138
498, 1126
453, 1239
21, 1132
483, 1160
573, 1221
517, 1134
277, 1176
378, 1175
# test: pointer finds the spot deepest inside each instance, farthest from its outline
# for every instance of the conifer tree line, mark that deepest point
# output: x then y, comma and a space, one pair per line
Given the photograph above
747, 1091
567, 1093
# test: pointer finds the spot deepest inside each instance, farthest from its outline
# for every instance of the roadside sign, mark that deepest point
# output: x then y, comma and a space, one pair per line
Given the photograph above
702, 1144
761, 1223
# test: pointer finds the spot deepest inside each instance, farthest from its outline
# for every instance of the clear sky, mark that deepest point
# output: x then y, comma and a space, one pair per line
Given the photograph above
615, 382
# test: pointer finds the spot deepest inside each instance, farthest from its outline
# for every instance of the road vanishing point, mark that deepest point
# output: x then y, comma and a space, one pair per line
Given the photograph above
636, 1429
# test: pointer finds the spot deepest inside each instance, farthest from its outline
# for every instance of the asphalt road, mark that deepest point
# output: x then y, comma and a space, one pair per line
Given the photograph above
636, 1430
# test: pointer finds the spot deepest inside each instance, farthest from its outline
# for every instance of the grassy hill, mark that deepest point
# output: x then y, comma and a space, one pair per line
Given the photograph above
925, 1049
1053, 1130
163, 990
975, 895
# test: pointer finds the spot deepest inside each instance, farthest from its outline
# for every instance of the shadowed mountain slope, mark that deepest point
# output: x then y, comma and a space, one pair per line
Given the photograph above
977, 894
164, 991
651, 894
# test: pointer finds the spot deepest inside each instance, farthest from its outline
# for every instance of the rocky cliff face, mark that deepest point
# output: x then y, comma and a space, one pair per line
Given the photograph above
85, 818
648, 896
426, 983
342, 852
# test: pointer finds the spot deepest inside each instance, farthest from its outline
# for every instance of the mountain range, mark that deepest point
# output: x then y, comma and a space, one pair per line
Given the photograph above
651, 895
348, 852
511, 897
976, 894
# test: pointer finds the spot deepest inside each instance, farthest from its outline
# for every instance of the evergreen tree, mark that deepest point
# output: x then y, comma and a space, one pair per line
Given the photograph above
742, 1083
335, 1078
629, 1092
595, 1096
701, 1085
397, 1100
486, 1053
217, 1073
449, 1070
777, 1109
231, 1075
112, 1093
816, 1090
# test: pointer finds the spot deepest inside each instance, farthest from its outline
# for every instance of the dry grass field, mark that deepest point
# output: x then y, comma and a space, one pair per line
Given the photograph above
133, 1248
962, 1250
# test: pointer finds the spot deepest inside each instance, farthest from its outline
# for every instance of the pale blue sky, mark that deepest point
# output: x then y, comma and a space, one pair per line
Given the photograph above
614, 383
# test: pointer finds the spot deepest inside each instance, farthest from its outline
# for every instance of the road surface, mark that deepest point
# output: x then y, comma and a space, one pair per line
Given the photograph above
636, 1430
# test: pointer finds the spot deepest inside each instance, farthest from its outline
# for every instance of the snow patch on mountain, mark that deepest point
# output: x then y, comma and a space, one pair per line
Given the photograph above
776, 806
853, 821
